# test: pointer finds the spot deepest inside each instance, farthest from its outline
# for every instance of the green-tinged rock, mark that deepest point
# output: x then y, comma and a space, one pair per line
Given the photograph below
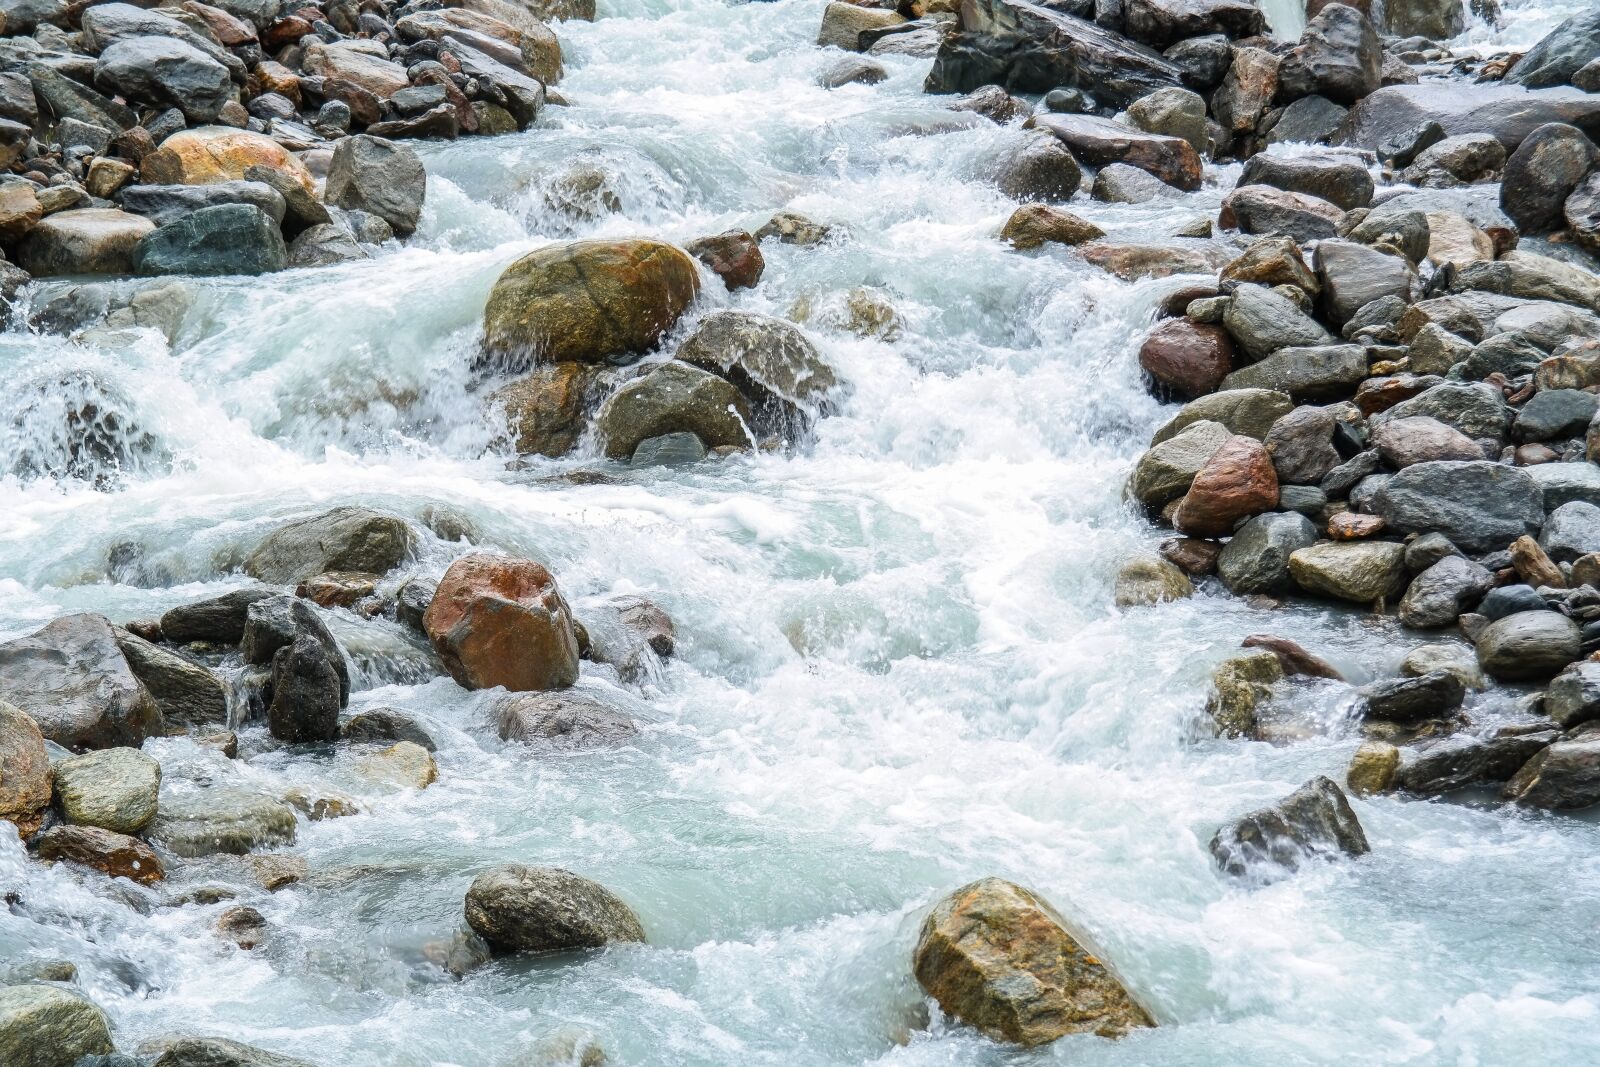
1359, 571
1240, 685
46, 1026
1150, 580
1372, 768
114, 789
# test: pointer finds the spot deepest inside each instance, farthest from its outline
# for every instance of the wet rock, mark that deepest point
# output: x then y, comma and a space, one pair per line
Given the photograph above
1435, 350
1337, 179
1357, 571
1571, 532
1189, 359
1099, 142
1354, 275
793, 228
338, 589
225, 239
1555, 414
83, 241
1263, 322
1411, 700
1560, 53
1237, 481
1508, 111
1526, 276
1563, 777
843, 23
1308, 120
216, 154
404, 765
1539, 176
114, 789
852, 70
1528, 645
1030, 49
1301, 445
46, 1026
1536, 568
1508, 600
1038, 168
1118, 183
1261, 209
1150, 580
1251, 412
1314, 821
1164, 473
1173, 112
221, 819
1256, 559
779, 371
386, 724
734, 256
113, 854
1191, 555
1033, 225
320, 804
380, 177
25, 774
165, 70
72, 678
163, 204
219, 620
994, 104
496, 620
343, 539
1240, 686
628, 632
1133, 262
306, 692
1456, 658
565, 721
567, 1047
586, 301
1272, 261
1478, 505
1338, 57
1372, 768
1462, 159
1000, 959
1442, 592
1454, 240
1320, 374
217, 1052
1404, 442
546, 909
546, 409
1475, 409
674, 397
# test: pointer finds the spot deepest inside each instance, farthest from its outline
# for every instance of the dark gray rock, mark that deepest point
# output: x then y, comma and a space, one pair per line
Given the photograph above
1571, 531
301, 210
1118, 183
1256, 559
1338, 482
1308, 120
1478, 505
1563, 777
165, 70
1539, 176
1321, 374
188, 693
779, 371
1339, 57
1339, 179
1038, 168
163, 204
1462, 159
386, 724
1353, 275
1560, 53
73, 679
1476, 410
308, 689
378, 176
1162, 22
1396, 226
1443, 591
1202, 62
1510, 112
1528, 646
219, 620
343, 539
1555, 413
226, 239
1509, 599
546, 909
1264, 210
1428, 549
324, 245
1411, 700
1261, 322
1301, 444
1573, 696
1509, 354
1314, 821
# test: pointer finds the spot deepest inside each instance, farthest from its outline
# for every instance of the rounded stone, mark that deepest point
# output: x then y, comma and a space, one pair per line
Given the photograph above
546, 909
1528, 646
113, 788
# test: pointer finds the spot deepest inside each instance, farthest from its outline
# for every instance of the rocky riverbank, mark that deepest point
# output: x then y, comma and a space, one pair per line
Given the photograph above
1385, 395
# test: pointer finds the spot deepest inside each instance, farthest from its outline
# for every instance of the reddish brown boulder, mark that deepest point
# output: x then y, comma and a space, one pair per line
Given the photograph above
735, 257
1380, 394
501, 621
1188, 358
110, 853
24, 770
1354, 526
1237, 481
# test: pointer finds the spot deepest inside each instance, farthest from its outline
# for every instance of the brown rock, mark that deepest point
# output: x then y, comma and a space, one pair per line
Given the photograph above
1293, 658
1535, 567
284, 32
545, 410
1000, 959
1420, 439
277, 78
337, 589
110, 853
1246, 92
1133, 262
210, 154
735, 257
106, 176
1273, 261
1188, 358
84, 241
1380, 394
497, 620
1098, 141
1032, 225
19, 211
1237, 481
1531, 455
1191, 555
1354, 526
229, 31
24, 771
344, 60
243, 925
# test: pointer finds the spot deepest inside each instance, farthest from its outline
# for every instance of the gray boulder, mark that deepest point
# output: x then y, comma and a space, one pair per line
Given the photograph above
1357, 571
168, 71
1038, 168
1249, 412
1539, 176
226, 239
1475, 409
1571, 531
1563, 777
1418, 439
1562, 483
1528, 646
1560, 53
1320, 374
1443, 592
1339, 57
1256, 559
546, 909
1478, 505
1165, 472
674, 398
563, 721
1262, 322
219, 619
1340, 179
1314, 822
1301, 445
72, 678
1574, 695
1411, 700
346, 538
47, 1026
779, 371
277, 624
221, 819
218, 1052
380, 177
1553, 414
1354, 275
113, 788
163, 204
188, 693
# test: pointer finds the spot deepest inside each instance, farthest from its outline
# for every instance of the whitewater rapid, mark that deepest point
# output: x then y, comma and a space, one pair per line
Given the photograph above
898, 665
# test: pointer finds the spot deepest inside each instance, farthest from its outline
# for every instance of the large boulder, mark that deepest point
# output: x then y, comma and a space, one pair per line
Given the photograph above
47, 1026
89, 240
500, 621
1475, 409
209, 154
1251, 412
1264, 210
380, 177
74, 681
112, 854
1563, 777
225, 239
1528, 646
674, 398
346, 538
545, 411
496, 27
1256, 559
546, 909
1441, 593
1160, 23
1038, 168
1354, 275
1415, 439
1320, 374
1539, 176
843, 24
1031, 49
563, 721
586, 301
168, 71
779, 371
1001, 959
1510, 112
1560, 53
1437, 20
1263, 322
1358, 571
1098, 142
1315, 821
1339, 179
1165, 472
24, 771
162, 204
1150, 579
219, 620
1573, 697
1478, 505
1188, 359
272, 628
113, 788
1174, 112
1563, 483
356, 62
188, 693
1339, 57
221, 819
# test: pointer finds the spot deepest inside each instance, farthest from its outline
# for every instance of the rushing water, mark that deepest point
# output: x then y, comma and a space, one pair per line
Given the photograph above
898, 664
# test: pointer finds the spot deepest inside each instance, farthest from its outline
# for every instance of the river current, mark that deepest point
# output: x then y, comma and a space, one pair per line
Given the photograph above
898, 664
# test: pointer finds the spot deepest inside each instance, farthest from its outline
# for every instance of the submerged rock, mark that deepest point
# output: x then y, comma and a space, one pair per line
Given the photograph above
1314, 821
217, 1052
779, 371
47, 1026
546, 909
563, 721
221, 819
1150, 580
1000, 959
